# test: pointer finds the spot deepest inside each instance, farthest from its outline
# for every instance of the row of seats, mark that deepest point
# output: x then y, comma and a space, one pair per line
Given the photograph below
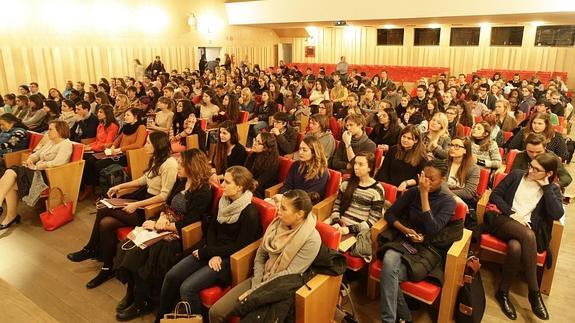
544, 76
396, 73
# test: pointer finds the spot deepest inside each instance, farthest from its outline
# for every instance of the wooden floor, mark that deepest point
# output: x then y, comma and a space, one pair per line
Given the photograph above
38, 283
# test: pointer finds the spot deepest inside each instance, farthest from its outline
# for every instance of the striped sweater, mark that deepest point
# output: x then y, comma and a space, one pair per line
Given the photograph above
365, 209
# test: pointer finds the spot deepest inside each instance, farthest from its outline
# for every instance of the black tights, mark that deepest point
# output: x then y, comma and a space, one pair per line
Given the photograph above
138, 287
521, 252
103, 236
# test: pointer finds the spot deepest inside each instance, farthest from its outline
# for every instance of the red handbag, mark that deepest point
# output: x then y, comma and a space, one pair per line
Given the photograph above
58, 211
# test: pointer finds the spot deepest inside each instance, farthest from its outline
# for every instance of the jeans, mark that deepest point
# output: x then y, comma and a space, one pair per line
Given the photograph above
189, 277
393, 302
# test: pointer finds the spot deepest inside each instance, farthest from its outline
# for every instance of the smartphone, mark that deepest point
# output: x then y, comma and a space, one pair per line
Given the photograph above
411, 249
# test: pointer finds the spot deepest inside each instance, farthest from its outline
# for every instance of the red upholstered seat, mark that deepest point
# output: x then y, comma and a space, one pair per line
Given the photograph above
354, 263
498, 177
422, 290
329, 236
211, 295
244, 116
510, 159
77, 152
34, 139
494, 244
122, 232
483, 181
285, 165
332, 183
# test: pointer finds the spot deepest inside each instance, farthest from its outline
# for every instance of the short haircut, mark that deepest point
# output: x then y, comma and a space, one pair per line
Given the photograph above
62, 128
358, 119
484, 86
322, 120
84, 105
281, 116
535, 139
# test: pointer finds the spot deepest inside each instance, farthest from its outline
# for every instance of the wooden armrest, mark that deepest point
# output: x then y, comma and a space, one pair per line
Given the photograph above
153, 209
191, 235
87, 141
270, 192
454, 271
377, 228
554, 244
16, 157
323, 209
316, 301
192, 141
242, 262
481, 205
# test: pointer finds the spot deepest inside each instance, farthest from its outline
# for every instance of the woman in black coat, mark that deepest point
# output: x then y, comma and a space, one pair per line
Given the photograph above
143, 270
529, 203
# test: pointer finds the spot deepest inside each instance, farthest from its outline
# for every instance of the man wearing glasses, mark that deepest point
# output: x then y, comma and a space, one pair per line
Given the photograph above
535, 146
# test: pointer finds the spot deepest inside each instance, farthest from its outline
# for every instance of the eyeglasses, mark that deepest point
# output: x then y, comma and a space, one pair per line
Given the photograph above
535, 169
456, 146
451, 112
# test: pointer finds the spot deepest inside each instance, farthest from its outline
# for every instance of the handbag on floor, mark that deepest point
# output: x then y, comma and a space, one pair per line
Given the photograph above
58, 210
470, 304
182, 317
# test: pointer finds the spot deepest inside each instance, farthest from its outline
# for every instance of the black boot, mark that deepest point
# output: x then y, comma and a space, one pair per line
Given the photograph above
102, 277
135, 310
537, 305
126, 301
506, 305
82, 255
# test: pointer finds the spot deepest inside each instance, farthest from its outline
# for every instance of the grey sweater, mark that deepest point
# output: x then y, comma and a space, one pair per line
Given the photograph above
467, 190
491, 156
300, 262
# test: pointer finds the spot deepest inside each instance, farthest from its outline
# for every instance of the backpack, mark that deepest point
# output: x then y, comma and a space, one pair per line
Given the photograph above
470, 305
570, 149
111, 176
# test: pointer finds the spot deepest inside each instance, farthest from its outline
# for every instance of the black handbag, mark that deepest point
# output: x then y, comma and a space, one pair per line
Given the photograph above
470, 305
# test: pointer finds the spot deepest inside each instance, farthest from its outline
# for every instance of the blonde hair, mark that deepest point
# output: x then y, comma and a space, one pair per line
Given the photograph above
317, 165
443, 121
122, 101
247, 92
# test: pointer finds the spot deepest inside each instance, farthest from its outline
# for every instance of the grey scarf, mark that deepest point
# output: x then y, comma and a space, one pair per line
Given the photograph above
229, 211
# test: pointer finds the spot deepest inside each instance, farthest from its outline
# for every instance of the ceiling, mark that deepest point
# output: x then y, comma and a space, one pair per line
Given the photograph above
554, 18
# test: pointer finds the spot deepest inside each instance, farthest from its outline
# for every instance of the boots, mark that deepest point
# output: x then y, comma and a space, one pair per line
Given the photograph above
506, 305
537, 305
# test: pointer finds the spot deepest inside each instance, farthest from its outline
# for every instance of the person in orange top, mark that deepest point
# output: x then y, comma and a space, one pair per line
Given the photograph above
132, 136
107, 129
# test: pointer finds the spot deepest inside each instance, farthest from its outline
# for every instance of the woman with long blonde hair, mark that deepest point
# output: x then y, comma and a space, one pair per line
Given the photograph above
309, 173
436, 139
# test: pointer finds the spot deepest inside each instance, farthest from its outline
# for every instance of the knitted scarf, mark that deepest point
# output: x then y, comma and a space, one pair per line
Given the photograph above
283, 243
128, 129
229, 211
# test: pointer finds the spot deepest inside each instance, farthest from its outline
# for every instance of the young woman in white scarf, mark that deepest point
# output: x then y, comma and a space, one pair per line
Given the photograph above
236, 225
289, 246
